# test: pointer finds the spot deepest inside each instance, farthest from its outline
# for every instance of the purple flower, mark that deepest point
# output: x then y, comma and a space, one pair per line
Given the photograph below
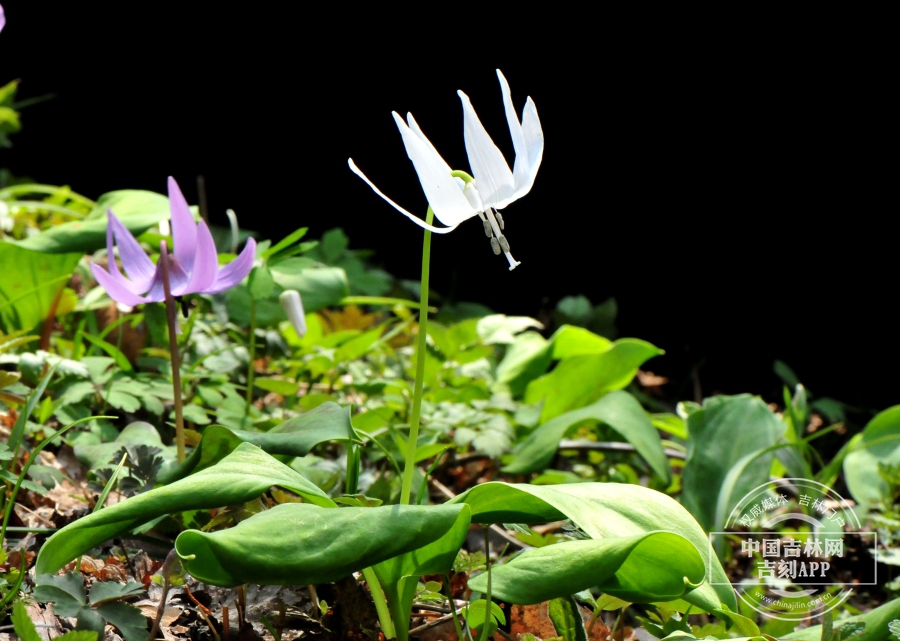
193, 263
2, 18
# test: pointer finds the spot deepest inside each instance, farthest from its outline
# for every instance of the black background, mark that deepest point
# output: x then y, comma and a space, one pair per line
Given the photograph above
726, 186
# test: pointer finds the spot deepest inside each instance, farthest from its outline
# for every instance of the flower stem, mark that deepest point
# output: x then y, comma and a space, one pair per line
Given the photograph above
415, 415
251, 372
172, 318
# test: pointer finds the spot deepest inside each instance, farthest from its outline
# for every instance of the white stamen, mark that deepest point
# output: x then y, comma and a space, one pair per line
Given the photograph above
513, 263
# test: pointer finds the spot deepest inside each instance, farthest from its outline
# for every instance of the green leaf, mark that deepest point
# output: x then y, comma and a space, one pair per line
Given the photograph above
285, 242
582, 379
641, 569
566, 618
277, 385
261, 284
25, 300
102, 591
740, 623
319, 287
23, 625
880, 444
726, 430
138, 433
138, 210
66, 592
526, 359
619, 410
877, 625
295, 437
18, 430
299, 543
603, 511
117, 354
127, 618
239, 477
501, 329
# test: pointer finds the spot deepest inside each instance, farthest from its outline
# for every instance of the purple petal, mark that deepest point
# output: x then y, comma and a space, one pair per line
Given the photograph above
115, 286
206, 263
235, 271
178, 280
2, 19
135, 261
184, 229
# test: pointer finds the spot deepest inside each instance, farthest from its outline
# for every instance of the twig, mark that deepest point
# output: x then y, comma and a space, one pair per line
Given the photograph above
431, 624
204, 612
164, 571
612, 446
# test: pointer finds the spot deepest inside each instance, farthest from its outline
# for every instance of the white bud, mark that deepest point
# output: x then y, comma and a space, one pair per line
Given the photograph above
293, 307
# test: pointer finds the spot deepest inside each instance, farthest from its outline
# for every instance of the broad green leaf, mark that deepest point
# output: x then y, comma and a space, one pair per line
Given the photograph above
138, 210
880, 444
582, 379
239, 477
26, 297
526, 359
726, 430
295, 437
299, 543
640, 569
603, 511
319, 287
570, 341
26, 630
619, 410
877, 625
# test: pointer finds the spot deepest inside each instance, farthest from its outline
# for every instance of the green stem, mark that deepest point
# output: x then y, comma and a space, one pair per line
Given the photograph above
487, 597
172, 320
251, 372
456, 623
381, 606
406, 487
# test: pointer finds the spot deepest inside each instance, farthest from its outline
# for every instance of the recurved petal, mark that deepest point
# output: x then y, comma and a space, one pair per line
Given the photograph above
235, 271
135, 262
117, 287
412, 217
184, 230
492, 174
520, 168
534, 148
443, 194
206, 263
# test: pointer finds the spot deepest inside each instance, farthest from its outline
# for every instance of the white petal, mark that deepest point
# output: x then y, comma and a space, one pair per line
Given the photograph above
534, 148
415, 219
415, 127
524, 170
495, 180
445, 197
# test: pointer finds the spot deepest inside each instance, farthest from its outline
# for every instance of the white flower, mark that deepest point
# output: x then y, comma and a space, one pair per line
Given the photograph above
454, 200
